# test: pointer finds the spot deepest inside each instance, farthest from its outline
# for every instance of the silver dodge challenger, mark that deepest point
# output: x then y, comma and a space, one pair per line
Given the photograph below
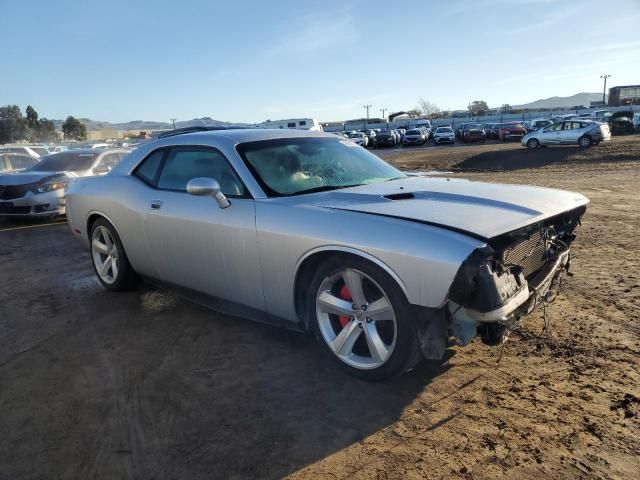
312, 232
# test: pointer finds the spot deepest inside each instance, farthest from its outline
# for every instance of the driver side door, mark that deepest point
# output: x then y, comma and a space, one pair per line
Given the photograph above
551, 134
195, 244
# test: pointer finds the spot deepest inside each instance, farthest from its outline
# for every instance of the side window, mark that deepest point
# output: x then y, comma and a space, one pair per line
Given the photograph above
19, 162
186, 163
147, 171
554, 128
3, 163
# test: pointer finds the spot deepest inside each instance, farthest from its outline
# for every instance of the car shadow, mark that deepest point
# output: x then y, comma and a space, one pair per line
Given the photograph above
147, 385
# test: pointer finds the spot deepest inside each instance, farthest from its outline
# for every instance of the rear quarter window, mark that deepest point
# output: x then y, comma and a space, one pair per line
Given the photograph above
147, 171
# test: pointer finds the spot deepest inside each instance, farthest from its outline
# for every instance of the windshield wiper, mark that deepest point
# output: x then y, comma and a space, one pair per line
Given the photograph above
325, 188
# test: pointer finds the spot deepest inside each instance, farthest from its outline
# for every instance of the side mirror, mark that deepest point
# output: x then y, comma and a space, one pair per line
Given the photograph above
203, 186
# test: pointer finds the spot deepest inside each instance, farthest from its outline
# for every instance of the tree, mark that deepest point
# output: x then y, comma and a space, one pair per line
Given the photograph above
73, 129
32, 117
478, 107
12, 124
427, 108
46, 131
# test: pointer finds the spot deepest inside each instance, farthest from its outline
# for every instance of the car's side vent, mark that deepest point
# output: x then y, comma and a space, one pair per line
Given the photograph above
400, 196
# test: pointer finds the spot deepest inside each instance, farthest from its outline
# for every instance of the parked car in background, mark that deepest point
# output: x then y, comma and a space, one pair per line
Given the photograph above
473, 132
459, 130
16, 162
397, 134
444, 135
415, 136
426, 125
36, 151
39, 191
360, 138
371, 135
511, 131
493, 131
385, 138
636, 121
621, 123
574, 132
537, 124
208, 214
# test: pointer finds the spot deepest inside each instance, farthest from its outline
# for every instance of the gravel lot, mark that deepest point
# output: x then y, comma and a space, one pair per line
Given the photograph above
145, 385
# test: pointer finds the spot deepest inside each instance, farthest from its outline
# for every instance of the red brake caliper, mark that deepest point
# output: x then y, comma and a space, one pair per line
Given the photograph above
345, 295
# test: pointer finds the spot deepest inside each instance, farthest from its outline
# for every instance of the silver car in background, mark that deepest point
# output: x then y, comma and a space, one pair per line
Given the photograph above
312, 232
39, 191
572, 132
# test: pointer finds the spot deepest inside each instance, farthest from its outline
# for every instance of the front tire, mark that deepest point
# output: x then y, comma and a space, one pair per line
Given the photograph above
362, 319
109, 260
533, 143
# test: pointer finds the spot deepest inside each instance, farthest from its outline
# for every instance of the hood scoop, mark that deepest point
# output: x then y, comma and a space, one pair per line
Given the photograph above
400, 196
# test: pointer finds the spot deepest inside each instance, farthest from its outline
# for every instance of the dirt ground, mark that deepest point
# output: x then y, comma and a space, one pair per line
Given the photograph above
145, 385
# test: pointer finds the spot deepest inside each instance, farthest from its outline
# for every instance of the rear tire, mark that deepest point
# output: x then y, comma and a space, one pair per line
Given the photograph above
372, 348
533, 143
109, 260
585, 141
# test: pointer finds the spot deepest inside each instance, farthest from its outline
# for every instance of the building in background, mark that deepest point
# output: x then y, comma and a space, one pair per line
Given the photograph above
625, 95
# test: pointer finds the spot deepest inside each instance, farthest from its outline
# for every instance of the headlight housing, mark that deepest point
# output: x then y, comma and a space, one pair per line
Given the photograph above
51, 186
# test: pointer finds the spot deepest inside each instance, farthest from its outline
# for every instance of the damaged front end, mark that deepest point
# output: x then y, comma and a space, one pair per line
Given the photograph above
506, 279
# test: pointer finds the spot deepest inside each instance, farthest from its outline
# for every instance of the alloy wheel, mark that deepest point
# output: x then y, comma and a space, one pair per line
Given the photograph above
104, 252
356, 319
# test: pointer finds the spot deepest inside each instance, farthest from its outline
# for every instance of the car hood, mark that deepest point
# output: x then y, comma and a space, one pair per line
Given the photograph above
482, 210
25, 178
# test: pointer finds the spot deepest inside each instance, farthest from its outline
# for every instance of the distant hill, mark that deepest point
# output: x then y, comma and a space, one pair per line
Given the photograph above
583, 98
145, 124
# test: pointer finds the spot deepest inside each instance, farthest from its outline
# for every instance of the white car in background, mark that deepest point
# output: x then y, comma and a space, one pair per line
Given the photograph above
360, 138
573, 132
35, 151
444, 135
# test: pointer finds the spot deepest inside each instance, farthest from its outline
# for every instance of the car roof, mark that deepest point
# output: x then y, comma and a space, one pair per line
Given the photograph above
96, 151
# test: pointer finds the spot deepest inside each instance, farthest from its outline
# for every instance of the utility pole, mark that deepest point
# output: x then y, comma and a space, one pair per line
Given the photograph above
604, 89
367, 107
173, 120
382, 110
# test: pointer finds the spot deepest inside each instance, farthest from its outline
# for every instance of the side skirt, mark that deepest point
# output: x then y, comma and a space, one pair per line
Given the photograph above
226, 306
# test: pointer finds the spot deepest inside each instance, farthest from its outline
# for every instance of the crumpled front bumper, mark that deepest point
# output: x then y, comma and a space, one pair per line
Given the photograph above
465, 322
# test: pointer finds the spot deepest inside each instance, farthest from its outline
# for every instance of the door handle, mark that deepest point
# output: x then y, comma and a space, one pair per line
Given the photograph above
156, 204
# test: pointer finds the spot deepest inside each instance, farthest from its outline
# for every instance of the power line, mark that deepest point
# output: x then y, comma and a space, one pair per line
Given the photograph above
367, 107
382, 110
173, 120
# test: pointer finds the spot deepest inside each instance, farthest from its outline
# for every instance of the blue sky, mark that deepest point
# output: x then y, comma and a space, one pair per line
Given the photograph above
238, 60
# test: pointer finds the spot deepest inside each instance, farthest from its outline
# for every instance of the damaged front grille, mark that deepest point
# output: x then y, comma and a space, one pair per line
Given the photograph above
529, 254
